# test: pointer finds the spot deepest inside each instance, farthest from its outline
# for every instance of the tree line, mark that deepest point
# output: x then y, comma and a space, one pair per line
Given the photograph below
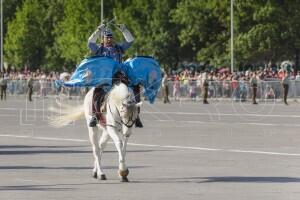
52, 35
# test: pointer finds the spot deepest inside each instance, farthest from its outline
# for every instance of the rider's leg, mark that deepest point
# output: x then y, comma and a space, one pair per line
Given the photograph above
98, 92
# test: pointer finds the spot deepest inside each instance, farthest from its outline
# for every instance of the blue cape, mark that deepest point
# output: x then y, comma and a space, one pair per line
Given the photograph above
96, 71
145, 71
93, 71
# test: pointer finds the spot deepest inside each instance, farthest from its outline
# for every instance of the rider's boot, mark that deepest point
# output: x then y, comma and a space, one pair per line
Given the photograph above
93, 121
136, 90
138, 122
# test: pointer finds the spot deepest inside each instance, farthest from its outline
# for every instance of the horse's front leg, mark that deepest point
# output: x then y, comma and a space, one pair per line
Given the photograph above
94, 138
123, 171
103, 141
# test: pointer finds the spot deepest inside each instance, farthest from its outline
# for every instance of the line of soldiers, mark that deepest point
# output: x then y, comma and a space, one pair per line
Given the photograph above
284, 82
253, 84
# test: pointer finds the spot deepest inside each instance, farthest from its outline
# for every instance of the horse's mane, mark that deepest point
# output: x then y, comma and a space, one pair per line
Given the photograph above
119, 92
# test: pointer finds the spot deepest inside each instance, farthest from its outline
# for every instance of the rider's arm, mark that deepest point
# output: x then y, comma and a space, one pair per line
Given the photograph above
93, 38
127, 35
92, 41
125, 45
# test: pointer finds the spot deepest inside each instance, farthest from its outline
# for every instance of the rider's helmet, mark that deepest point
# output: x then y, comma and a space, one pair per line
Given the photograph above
107, 33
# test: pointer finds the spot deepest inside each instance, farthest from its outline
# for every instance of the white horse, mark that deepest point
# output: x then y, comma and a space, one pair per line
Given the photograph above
121, 114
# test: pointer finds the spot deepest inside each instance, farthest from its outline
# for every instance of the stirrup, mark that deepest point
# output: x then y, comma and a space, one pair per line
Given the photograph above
93, 121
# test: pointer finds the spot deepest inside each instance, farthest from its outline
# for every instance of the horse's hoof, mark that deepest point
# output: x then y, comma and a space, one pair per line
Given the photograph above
95, 175
124, 179
103, 177
123, 173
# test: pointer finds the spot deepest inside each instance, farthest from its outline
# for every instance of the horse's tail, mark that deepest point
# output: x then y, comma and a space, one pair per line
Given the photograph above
66, 114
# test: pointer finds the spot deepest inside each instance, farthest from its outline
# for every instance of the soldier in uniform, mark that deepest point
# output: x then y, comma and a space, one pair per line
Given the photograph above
205, 87
115, 51
165, 86
3, 86
30, 87
285, 85
253, 83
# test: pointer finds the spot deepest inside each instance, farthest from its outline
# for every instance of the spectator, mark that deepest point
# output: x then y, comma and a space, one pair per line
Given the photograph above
270, 94
297, 78
176, 87
43, 85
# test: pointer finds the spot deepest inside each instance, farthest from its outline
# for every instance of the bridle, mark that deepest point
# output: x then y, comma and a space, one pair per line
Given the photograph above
130, 121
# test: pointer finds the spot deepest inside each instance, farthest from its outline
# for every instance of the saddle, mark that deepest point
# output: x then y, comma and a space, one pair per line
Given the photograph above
100, 97
99, 102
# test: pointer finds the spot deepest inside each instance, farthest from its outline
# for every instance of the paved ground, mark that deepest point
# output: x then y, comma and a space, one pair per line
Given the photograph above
186, 151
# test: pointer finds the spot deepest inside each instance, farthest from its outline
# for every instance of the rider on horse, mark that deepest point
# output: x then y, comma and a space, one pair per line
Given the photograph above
115, 51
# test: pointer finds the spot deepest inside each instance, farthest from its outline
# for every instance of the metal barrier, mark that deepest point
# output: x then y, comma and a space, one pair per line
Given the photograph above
41, 88
240, 90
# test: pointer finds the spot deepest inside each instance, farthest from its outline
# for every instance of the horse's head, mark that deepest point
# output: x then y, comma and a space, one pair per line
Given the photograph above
129, 107
126, 107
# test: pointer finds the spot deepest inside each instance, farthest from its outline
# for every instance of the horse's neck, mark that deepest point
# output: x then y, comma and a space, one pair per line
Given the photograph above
119, 93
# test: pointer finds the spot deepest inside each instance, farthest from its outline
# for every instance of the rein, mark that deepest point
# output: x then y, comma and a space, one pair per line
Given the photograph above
128, 124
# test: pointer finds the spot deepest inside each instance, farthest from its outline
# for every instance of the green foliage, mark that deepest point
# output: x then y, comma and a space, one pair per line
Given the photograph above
53, 34
205, 29
25, 42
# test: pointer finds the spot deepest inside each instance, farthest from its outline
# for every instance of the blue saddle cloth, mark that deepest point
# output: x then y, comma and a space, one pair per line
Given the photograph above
96, 71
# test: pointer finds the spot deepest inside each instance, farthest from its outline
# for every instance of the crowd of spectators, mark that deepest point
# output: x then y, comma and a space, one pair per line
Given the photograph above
222, 83
187, 83
43, 83
37, 82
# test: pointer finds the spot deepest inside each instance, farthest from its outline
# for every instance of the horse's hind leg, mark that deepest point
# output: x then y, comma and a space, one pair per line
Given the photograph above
94, 138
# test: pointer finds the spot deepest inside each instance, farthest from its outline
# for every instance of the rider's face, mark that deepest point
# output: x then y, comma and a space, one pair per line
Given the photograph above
108, 41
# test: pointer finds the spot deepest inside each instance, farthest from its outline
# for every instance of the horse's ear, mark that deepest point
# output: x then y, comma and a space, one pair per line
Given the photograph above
139, 104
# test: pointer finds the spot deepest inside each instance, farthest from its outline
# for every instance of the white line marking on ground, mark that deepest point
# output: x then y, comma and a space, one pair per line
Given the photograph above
222, 114
185, 113
7, 115
161, 146
225, 123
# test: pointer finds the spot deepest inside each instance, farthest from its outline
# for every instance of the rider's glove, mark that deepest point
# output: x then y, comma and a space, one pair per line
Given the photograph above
126, 33
101, 27
122, 27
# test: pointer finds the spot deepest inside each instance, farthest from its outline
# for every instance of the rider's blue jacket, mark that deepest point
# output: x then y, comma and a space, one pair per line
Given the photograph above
115, 52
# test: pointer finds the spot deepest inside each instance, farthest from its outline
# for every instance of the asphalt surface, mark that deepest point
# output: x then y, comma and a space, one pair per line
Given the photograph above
187, 150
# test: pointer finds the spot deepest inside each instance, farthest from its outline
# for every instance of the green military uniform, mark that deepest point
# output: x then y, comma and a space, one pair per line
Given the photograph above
285, 85
3, 87
165, 87
205, 89
30, 88
253, 83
